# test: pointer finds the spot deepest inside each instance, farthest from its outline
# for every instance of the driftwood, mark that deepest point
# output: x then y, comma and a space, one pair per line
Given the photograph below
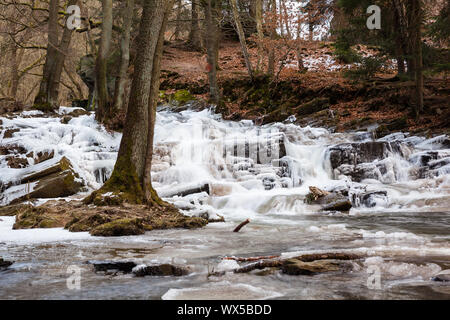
186, 191
239, 227
262, 264
324, 256
241, 259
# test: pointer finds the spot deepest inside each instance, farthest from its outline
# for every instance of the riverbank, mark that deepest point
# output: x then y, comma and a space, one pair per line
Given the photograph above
321, 97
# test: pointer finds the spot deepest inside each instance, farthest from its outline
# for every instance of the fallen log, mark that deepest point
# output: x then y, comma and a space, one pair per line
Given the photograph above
327, 256
262, 264
182, 192
239, 227
248, 259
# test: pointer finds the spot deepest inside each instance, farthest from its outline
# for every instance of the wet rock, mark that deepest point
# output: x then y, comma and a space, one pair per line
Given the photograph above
298, 267
66, 119
113, 266
330, 201
443, 276
9, 133
120, 227
78, 112
357, 153
83, 103
160, 270
370, 199
341, 204
4, 264
58, 180
180, 99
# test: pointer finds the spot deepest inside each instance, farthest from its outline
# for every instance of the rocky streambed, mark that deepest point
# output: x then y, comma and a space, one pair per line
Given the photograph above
332, 215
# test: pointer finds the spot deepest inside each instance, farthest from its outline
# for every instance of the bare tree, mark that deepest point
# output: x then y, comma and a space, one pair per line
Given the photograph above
242, 40
103, 101
124, 55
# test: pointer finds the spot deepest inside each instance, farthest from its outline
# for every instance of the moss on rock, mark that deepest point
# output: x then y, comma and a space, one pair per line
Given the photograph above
181, 97
120, 227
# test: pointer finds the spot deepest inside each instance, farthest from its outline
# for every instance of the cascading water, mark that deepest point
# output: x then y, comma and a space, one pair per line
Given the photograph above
399, 187
196, 148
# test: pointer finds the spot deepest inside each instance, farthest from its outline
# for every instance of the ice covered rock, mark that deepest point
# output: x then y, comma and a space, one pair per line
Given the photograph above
443, 276
52, 181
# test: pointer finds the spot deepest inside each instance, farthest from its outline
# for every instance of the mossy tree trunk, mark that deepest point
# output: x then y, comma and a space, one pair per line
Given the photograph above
129, 174
150, 195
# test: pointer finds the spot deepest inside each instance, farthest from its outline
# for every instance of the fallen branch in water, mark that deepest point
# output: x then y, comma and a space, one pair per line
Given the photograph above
248, 259
239, 227
262, 264
330, 255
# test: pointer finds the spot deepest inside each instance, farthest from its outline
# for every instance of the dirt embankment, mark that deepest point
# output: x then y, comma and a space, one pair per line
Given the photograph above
109, 220
319, 97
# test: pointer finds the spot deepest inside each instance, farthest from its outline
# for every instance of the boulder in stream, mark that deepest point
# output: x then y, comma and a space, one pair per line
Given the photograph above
330, 201
4, 264
443, 276
160, 270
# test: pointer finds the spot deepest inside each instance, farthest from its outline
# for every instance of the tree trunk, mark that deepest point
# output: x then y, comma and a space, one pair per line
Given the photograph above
178, 22
151, 197
241, 34
286, 20
42, 100
14, 72
124, 56
194, 35
299, 41
260, 33
273, 34
417, 45
102, 62
211, 25
62, 52
128, 173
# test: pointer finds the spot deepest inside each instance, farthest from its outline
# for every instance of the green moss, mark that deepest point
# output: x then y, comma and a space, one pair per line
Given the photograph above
123, 183
181, 97
31, 217
80, 224
120, 227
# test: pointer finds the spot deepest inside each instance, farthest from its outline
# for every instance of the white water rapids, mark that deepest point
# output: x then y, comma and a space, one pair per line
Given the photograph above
400, 217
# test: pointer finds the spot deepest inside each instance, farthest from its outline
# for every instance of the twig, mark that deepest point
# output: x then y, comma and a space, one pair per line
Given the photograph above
239, 227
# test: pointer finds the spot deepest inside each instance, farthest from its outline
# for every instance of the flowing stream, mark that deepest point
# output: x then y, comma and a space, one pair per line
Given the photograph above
399, 188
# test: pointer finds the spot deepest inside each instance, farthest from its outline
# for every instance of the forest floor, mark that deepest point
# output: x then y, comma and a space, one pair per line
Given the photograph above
322, 96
